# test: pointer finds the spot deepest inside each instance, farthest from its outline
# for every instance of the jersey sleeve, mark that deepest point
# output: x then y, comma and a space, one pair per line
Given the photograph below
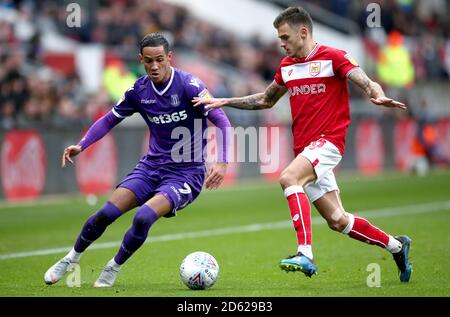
343, 63
194, 87
126, 106
278, 78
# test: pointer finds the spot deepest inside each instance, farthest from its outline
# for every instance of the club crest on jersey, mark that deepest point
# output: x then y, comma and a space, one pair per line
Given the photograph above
314, 68
174, 100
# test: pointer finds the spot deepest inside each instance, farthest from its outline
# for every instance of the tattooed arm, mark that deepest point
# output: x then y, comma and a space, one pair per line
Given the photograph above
373, 89
264, 100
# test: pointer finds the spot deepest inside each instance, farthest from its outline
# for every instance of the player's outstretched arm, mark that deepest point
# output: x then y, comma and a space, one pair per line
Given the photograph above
264, 100
373, 90
97, 131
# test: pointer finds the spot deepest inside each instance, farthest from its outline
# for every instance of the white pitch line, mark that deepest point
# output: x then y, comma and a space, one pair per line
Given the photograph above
375, 213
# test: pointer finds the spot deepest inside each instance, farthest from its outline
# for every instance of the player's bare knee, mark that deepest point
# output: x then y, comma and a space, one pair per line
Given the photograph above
338, 220
335, 224
288, 178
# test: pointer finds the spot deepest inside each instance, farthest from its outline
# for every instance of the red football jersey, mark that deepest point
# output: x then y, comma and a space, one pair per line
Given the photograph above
319, 97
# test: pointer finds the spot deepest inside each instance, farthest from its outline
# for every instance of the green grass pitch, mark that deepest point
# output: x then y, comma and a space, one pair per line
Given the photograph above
247, 228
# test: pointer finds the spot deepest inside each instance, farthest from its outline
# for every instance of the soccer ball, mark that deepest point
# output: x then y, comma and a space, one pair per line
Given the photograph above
199, 270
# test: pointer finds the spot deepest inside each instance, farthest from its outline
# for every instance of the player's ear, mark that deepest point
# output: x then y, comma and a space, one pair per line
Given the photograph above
169, 56
141, 58
304, 31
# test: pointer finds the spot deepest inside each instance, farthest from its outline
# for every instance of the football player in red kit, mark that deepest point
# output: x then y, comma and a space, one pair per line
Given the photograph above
316, 77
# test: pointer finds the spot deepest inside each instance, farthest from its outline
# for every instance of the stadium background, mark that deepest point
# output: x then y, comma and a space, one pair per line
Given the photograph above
56, 80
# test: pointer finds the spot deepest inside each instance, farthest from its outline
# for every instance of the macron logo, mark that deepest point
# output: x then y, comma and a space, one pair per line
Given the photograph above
148, 101
194, 82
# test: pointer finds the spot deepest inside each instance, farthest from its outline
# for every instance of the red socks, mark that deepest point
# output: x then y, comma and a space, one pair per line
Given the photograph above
363, 231
300, 213
358, 228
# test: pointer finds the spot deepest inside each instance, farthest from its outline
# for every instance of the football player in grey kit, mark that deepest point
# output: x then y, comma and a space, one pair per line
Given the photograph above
172, 173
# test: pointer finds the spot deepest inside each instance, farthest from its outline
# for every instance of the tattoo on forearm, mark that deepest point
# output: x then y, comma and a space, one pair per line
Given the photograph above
259, 101
372, 89
252, 102
377, 91
270, 95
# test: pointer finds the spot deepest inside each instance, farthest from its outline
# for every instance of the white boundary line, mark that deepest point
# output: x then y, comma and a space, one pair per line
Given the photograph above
375, 213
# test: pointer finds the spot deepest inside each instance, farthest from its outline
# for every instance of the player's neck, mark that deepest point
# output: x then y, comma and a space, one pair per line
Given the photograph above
306, 49
168, 75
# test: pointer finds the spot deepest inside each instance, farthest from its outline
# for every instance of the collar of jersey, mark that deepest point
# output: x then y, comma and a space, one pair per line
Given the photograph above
311, 54
162, 92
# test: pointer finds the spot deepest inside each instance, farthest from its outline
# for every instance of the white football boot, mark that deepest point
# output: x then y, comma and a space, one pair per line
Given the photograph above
58, 270
108, 276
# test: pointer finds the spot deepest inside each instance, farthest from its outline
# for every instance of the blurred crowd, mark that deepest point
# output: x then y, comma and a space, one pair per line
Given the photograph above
32, 95
425, 24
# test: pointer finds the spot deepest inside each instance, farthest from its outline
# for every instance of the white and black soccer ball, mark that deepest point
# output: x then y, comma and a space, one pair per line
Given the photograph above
199, 270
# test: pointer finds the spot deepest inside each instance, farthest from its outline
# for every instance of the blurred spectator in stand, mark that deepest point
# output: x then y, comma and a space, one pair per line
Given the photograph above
7, 114
30, 116
426, 147
98, 105
13, 87
118, 25
446, 55
340, 7
117, 79
72, 88
431, 11
67, 114
395, 69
